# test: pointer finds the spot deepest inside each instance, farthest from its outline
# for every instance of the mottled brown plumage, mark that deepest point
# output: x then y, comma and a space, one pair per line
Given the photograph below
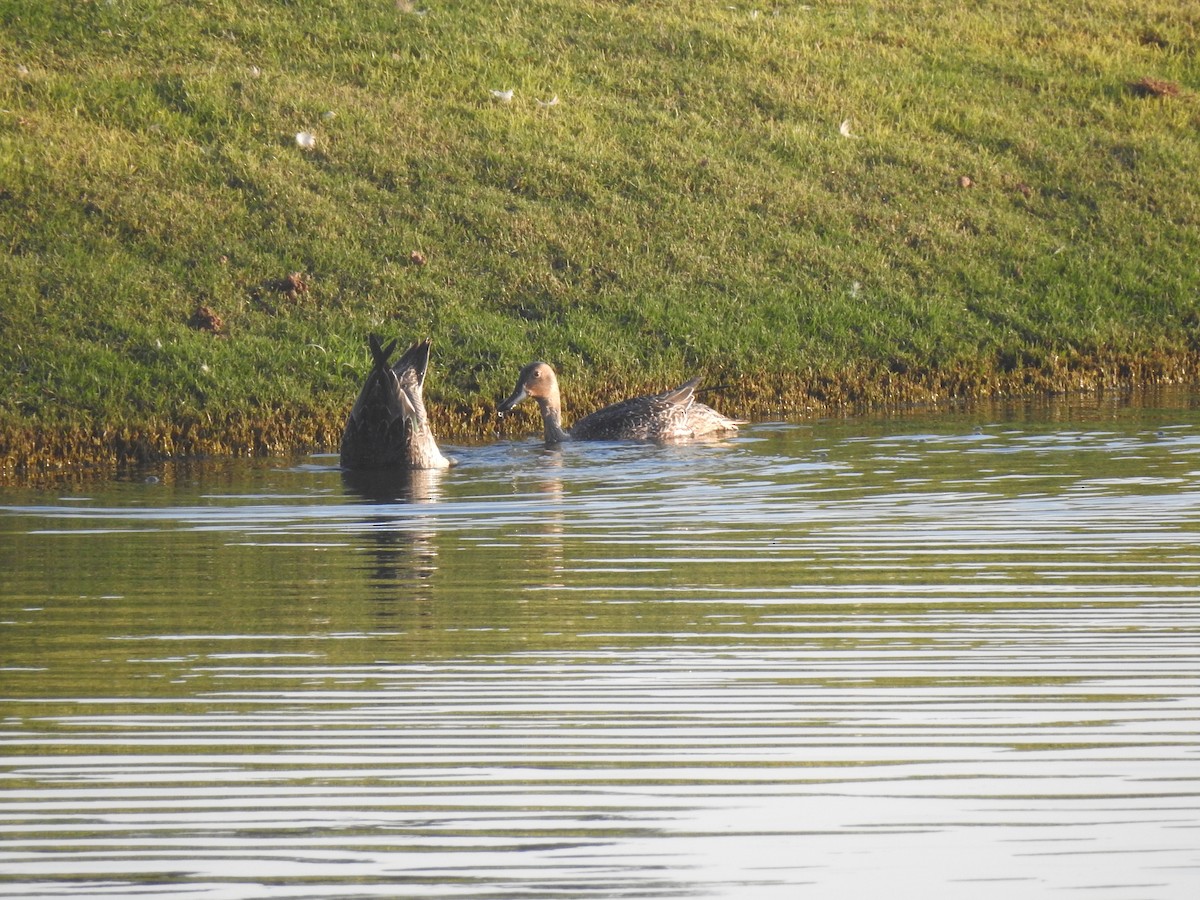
388, 427
669, 416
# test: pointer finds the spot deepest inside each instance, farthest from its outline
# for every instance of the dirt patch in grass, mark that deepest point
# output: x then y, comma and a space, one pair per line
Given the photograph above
1154, 87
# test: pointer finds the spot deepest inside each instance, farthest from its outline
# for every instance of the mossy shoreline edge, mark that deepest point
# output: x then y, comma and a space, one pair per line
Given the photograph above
32, 451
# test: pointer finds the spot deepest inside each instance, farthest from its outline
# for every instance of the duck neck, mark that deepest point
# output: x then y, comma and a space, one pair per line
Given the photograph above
552, 419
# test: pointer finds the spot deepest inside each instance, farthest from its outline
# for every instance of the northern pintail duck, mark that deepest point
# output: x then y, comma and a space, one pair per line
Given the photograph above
388, 427
669, 416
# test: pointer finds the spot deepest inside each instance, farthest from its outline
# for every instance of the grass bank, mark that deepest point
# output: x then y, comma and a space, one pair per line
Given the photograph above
812, 205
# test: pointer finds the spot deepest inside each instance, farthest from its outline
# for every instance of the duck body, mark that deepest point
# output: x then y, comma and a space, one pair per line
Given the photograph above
671, 416
388, 426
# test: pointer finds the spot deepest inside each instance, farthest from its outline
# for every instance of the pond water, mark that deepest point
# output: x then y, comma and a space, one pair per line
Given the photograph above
938, 656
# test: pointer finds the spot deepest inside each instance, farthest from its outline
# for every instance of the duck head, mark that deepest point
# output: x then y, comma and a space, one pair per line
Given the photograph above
537, 382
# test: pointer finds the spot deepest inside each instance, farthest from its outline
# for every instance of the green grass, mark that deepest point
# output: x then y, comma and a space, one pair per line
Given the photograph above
688, 206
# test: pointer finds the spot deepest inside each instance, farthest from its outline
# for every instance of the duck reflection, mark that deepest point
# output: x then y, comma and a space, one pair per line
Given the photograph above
403, 552
395, 485
547, 480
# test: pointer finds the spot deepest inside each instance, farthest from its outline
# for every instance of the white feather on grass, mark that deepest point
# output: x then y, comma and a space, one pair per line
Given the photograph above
305, 140
503, 96
545, 104
844, 129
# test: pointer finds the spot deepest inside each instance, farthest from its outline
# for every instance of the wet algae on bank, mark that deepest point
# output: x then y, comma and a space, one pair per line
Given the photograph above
28, 451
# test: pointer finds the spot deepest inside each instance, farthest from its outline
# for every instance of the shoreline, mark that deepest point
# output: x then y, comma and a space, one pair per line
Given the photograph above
37, 452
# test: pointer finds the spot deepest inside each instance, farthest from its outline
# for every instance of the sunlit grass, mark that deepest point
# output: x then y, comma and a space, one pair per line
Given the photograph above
1004, 200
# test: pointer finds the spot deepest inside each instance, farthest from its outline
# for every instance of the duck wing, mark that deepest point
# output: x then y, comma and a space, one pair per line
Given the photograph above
649, 418
410, 368
684, 395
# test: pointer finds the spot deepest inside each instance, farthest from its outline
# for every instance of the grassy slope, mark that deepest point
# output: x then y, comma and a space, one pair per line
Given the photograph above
689, 204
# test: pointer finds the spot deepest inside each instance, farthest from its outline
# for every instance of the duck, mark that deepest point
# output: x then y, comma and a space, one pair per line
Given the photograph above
388, 426
673, 415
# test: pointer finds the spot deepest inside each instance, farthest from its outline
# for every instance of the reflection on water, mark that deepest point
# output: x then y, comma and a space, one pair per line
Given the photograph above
404, 552
950, 656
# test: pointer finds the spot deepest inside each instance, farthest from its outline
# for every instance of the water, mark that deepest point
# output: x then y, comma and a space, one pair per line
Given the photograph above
941, 657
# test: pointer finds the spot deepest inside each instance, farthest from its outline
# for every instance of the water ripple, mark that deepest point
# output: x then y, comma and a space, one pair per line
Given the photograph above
952, 657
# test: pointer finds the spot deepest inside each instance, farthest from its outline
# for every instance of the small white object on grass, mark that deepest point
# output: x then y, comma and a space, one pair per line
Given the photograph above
503, 96
844, 128
553, 101
305, 140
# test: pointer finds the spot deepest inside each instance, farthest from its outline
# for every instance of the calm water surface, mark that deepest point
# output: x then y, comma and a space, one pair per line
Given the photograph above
938, 657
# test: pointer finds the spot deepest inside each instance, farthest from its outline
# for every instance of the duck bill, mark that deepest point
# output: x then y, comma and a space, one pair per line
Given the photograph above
517, 396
